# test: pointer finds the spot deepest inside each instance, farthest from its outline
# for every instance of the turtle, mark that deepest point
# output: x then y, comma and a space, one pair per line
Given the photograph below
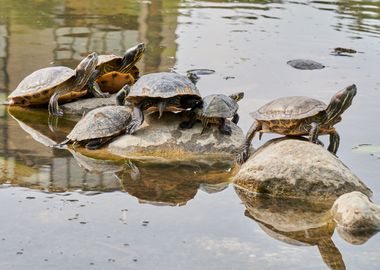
215, 109
113, 72
46, 85
297, 116
99, 126
161, 91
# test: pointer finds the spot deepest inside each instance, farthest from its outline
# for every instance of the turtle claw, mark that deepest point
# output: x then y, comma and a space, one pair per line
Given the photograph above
131, 128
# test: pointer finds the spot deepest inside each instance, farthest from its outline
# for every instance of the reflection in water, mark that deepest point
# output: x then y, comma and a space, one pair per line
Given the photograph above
356, 16
295, 222
174, 183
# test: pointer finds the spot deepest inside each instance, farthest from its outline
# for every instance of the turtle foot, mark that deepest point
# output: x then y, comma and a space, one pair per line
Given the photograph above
243, 156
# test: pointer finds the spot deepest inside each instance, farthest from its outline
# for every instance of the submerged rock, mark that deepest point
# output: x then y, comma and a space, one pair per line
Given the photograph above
163, 137
296, 168
354, 211
305, 64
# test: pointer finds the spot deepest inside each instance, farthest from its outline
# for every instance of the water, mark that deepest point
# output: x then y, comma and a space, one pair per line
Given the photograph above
58, 208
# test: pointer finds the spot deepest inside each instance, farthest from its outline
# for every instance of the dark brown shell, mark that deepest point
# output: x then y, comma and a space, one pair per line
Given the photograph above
289, 108
100, 123
162, 85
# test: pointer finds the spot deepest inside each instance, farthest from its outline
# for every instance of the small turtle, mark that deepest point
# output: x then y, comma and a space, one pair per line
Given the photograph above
300, 116
214, 110
113, 72
163, 91
99, 126
47, 85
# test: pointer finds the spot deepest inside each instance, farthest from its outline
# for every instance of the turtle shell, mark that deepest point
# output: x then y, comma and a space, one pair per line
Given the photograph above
107, 58
219, 106
162, 85
100, 123
37, 87
289, 108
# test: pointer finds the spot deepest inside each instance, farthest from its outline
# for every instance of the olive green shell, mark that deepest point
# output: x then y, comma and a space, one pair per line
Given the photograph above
100, 123
218, 106
38, 86
289, 108
162, 85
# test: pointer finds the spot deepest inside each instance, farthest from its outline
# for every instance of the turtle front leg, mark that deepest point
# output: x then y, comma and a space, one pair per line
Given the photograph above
235, 119
244, 151
334, 142
136, 121
53, 106
94, 88
189, 124
223, 128
313, 133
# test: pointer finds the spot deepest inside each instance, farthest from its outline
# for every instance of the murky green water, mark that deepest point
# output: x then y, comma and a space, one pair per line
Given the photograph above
181, 215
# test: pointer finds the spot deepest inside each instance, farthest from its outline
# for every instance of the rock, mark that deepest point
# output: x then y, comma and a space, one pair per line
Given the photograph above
297, 168
354, 211
163, 137
305, 64
87, 104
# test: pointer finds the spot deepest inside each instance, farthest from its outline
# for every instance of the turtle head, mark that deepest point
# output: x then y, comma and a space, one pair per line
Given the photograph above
339, 103
237, 96
86, 67
132, 55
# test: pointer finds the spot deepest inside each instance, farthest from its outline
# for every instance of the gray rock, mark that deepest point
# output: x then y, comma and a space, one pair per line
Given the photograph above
163, 137
296, 168
305, 64
354, 211
87, 104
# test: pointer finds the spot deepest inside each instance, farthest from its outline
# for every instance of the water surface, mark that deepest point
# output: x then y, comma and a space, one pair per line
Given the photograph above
62, 210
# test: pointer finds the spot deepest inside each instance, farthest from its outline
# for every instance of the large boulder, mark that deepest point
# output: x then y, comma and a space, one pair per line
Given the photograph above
354, 211
163, 137
296, 168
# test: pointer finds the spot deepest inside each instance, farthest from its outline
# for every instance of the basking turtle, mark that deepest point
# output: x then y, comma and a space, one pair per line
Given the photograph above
46, 85
214, 110
163, 91
300, 116
113, 72
99, 126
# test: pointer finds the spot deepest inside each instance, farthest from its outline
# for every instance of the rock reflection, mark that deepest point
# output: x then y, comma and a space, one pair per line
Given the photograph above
296, 222
174, 183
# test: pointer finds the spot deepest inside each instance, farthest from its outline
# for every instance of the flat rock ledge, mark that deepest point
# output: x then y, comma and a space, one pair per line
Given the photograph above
163, 137
85, 105
300, 169
354, 211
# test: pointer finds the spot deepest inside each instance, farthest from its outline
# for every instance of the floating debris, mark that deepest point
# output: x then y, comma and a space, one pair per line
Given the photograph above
305, 64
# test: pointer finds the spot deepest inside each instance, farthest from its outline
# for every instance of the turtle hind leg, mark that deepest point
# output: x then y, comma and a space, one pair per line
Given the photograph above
94, 144
244, 151
235, 119
223, 128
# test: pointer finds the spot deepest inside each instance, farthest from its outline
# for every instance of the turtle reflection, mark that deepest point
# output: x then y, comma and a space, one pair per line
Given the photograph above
296, 222
173, 183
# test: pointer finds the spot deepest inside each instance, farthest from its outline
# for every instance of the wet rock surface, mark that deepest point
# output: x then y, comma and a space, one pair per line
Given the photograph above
85, 105
354, 211
296, 168
163, 137
305, 64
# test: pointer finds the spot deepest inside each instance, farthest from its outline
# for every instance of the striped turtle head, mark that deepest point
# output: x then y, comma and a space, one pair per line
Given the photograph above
132, 56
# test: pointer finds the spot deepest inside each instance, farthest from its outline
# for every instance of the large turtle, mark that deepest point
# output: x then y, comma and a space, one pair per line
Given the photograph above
214, 110
113, 72
162, 91
300, 116
46, 85
99, 126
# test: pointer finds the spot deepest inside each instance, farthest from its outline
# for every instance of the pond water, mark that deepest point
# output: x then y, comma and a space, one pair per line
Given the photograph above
62, 210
